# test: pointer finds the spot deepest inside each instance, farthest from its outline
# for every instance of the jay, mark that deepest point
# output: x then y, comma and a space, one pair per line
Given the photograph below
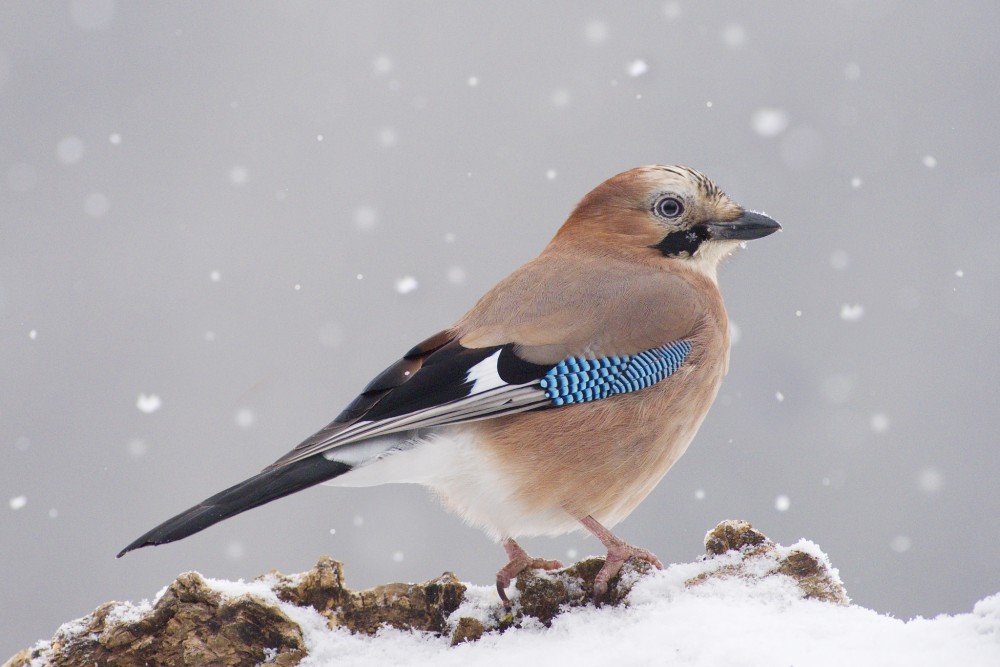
562, 397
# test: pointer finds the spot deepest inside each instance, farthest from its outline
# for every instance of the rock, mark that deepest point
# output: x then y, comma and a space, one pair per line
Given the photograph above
467, 630
194, 623
759, 557
191, 624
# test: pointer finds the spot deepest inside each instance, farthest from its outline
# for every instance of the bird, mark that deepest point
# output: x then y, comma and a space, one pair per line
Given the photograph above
560, 400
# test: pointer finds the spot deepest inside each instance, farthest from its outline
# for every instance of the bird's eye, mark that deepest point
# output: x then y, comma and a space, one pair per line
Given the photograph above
669, 207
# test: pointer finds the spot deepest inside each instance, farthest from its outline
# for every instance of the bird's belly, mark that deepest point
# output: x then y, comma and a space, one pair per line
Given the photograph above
467, 478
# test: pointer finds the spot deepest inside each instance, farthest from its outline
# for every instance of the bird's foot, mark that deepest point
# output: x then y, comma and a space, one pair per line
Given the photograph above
618, 554
619, 551
519, 562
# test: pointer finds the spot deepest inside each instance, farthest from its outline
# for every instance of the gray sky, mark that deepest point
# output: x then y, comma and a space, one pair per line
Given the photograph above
219, 220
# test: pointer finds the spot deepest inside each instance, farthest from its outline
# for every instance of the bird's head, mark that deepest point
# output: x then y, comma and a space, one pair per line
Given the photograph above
665, 211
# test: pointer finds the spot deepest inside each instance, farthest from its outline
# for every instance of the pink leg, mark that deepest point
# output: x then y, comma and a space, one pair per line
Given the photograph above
519, 562
619, 551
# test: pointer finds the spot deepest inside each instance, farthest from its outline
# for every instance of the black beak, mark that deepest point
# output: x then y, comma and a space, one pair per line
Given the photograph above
748, 226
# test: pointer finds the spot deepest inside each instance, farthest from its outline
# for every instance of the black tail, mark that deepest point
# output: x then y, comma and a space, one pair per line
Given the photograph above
254, 492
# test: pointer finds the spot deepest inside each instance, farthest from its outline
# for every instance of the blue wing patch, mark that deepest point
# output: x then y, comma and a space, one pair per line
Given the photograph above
579, 380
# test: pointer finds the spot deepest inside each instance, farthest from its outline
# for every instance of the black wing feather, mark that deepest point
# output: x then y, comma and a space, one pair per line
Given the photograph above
432, 376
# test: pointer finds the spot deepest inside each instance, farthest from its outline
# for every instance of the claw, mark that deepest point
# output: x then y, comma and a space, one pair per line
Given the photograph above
519, 562
619, 552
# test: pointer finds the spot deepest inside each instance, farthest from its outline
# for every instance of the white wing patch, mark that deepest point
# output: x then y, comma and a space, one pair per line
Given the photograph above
484, 375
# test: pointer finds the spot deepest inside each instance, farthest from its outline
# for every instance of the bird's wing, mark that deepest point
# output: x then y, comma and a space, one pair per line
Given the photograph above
525, 347
453, 384
437, 382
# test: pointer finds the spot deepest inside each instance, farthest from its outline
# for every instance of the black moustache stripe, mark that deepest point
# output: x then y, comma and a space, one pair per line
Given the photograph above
682, 241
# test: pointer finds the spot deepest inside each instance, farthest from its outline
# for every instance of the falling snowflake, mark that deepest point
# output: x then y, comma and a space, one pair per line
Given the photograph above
840, 260
406, 284
637, 67
560, 97
901, 544
69, 150
768, 122
852, 312
238, 176
879, 423
382, 65
930, 480
245, 418
148, 404
365, 218
596, 32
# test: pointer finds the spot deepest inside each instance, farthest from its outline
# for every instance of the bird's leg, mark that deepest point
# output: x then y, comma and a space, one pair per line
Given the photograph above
519, 562
619, 551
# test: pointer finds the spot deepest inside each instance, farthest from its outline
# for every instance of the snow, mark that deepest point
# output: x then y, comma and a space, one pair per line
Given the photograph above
761, 619
148, 403
17, 502
245, 418
768, 122
879, 422
782, 503
734, 35
382, 65
387, 137
852, 312
406, 284
672, 10
69, 150
365, 218
840, 260
901, 544
930, 480
637, 68
722, 621
596, 32
560, 97
238, 176
930, 161
137, 448
235, 550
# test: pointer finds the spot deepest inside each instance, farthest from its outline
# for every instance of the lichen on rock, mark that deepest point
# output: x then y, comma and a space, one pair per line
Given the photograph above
759, 557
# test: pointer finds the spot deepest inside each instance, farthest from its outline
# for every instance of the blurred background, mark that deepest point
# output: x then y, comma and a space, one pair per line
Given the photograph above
219, 220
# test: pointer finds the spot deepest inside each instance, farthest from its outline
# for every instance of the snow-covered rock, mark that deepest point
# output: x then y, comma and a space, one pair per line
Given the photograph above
747, 602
